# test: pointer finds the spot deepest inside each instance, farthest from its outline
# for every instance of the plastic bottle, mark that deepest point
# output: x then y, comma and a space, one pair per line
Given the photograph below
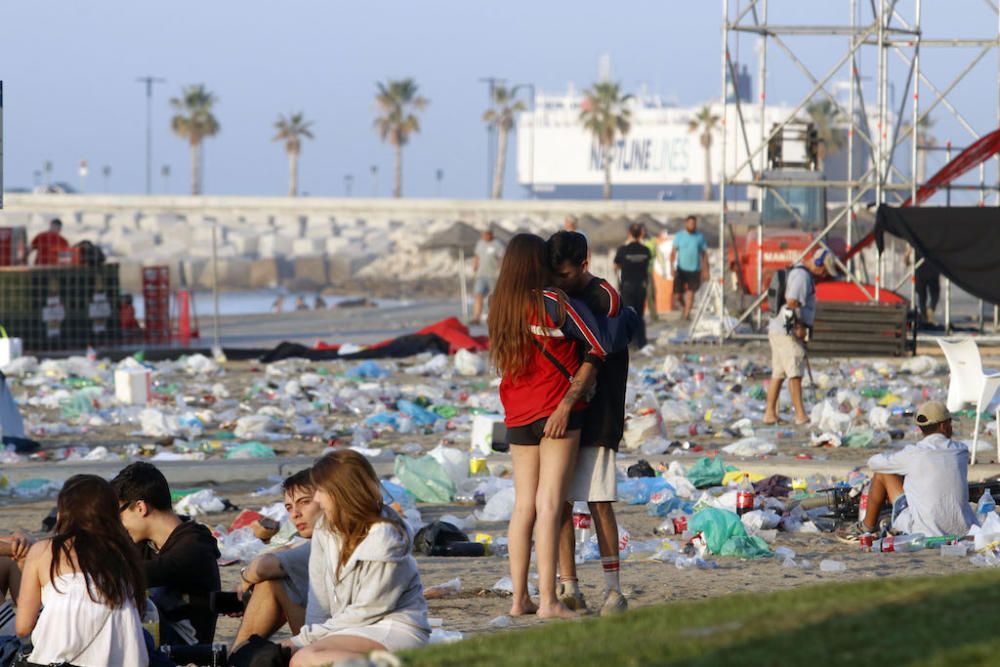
151, 622
744, 496
863, 503
676, 523
900, 543
986, 506
582, 524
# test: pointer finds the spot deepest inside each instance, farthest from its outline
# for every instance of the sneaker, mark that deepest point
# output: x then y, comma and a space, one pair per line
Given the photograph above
574, 601
852, 534
614, 603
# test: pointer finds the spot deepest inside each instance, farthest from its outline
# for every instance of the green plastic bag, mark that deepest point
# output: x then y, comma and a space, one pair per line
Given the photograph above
425, 478
716, 526
708, 472
725, 534
746, 547
249, 450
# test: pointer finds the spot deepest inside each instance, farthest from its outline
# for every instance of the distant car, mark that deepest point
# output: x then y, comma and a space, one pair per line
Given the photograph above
57, 188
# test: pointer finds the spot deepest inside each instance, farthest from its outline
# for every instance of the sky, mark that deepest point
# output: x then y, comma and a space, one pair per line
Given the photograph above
69, 71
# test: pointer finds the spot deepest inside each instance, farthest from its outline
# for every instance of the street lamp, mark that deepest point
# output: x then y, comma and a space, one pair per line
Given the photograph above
106, 172
165, 174
439, 175
149, 81
47, 168
374, 171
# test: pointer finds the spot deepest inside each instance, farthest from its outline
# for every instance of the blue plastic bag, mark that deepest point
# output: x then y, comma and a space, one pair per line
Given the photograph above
637, 491
420, 416
368, 370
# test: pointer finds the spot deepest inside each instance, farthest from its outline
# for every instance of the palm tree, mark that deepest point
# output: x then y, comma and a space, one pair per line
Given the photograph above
501, 116
605, 114
705, 122
825, 116
397, 99
292, 129
194, 121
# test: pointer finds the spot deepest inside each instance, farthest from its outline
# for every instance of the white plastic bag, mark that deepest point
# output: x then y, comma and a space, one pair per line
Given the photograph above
454, 461
469, 363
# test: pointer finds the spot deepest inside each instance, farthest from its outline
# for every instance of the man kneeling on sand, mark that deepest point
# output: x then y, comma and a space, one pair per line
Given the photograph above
926, 484
279, 580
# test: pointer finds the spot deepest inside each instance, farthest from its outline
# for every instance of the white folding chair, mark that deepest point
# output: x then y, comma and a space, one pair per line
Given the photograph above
970, 383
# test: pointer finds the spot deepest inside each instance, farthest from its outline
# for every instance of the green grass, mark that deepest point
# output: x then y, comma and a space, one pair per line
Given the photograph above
951, 620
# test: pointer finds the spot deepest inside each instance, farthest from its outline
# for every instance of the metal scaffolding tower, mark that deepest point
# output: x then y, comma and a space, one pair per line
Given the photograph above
891, 35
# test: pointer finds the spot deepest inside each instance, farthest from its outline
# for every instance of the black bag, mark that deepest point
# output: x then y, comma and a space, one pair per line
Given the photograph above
437, 534
776, 290
259, 652
641, 469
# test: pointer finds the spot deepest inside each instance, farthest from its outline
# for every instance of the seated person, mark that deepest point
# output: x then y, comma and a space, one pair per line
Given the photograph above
180, 556
13, 549
926, 483
364, 588
82, 588
279, 580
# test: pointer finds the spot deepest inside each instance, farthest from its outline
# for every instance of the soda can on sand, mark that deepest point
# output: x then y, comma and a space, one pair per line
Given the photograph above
477, 467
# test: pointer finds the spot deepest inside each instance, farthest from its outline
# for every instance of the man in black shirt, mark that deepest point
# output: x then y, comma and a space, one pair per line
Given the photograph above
632, 263
594, 479
180, 556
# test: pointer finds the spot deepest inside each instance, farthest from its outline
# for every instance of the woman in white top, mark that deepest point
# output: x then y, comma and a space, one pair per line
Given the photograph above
364, 589
87, 577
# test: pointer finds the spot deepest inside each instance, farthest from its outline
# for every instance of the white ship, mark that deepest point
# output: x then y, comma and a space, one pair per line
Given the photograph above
660, 158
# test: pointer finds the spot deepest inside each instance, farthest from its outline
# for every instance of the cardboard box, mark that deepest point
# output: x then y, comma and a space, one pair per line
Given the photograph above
133, 386
487, 429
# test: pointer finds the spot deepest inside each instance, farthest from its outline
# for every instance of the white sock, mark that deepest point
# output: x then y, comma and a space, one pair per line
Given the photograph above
611, 566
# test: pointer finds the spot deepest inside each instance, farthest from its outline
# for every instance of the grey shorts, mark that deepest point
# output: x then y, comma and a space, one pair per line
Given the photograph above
484, 286
788, 356
595, 476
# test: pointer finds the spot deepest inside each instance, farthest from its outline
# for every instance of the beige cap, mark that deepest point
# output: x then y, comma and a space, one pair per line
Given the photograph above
932, 412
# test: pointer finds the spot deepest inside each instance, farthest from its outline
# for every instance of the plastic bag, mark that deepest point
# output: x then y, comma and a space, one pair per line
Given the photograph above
454, 461
826, 416
425, 478
707, 472
750, 447
724, 534
200, 502
499, 507
638, 490
469, 363
368, 370
419, 415
675, 411
250, 450
746, 547
642, 429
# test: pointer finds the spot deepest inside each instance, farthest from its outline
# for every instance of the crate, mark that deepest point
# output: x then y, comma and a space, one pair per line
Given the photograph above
845, 329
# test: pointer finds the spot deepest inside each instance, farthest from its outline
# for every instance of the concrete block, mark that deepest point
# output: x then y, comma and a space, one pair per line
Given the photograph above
274, 245
263, 273
344, 266
309, 272
196, 272
336, 245
15, 218
304, 247
244, 242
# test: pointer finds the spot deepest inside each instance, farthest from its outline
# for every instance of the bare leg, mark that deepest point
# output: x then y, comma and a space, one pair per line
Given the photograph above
567, 545
556, 460
688, 302
773, 392
267, 611
883, 487
331, 649
522, 522
606, 527
10, 578
477, 308
795, 390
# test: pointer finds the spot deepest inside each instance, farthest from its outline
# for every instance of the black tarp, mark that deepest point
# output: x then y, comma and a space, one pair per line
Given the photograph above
963, 243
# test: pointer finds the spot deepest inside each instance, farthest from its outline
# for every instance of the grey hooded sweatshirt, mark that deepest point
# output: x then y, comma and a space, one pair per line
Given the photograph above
380, 581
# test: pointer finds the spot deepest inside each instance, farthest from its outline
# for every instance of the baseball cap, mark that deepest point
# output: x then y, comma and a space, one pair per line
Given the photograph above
932, 412
824, 258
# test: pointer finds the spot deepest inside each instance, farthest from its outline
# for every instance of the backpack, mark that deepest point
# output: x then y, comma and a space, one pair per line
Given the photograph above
776, 290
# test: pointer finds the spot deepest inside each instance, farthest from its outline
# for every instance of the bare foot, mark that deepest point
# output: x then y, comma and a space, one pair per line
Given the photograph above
557, 610
523, 608
770, 420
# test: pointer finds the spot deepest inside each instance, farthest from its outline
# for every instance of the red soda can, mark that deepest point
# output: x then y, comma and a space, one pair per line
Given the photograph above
863, 505
680, 525
866, 541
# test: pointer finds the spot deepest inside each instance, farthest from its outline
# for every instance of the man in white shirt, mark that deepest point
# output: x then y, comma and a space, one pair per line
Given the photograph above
486, 265
926, 483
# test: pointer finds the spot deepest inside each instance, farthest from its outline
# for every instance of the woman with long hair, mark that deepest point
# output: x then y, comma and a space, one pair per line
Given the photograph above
364, 589
87, 582
546, 350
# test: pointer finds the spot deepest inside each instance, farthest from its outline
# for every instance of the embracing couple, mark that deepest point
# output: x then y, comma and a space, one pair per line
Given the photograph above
559, 337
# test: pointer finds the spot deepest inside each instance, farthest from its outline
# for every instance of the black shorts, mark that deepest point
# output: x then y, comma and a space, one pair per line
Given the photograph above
686, 280
532, 434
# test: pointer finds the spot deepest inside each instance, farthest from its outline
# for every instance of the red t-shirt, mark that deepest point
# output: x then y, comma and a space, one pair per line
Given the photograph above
537, 391
48, 245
